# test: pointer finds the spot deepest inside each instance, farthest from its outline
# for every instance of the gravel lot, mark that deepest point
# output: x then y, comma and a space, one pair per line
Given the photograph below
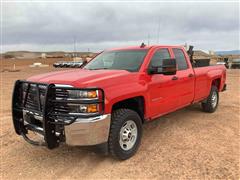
187, 144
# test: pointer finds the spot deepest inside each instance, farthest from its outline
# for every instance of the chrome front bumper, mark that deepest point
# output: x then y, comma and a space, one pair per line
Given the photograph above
88, 131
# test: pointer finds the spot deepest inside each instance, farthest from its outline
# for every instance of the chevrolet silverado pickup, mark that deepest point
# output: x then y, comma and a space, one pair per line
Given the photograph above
109, 99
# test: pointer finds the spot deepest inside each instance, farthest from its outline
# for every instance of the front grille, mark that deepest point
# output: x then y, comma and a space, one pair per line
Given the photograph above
35, 98
59, 104
61, 94
61, 108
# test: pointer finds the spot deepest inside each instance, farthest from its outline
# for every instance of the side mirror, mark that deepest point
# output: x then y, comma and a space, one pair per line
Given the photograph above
168, 67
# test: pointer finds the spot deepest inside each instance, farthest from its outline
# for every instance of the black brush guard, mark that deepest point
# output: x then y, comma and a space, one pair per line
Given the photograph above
52, 122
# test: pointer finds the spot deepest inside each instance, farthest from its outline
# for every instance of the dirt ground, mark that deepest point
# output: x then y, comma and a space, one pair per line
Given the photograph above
187, 144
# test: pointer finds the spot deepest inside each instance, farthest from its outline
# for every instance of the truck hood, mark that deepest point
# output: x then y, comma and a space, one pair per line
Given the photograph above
78, 78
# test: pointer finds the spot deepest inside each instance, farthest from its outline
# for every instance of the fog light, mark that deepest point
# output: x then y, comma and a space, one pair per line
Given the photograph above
83, 108
92, 108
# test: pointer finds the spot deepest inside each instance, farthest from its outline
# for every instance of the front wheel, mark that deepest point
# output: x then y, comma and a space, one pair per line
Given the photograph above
125, 133
211, 103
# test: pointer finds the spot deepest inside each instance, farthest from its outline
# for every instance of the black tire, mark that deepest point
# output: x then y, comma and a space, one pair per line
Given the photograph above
119, 118
208, 104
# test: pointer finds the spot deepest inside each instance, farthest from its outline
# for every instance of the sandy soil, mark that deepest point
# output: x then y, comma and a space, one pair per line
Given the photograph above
187, 144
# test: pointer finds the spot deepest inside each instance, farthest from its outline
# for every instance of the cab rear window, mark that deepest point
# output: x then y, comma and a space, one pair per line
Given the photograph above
180, 59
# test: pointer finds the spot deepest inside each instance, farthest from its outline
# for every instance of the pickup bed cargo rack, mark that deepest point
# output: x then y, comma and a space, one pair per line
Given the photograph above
37, 109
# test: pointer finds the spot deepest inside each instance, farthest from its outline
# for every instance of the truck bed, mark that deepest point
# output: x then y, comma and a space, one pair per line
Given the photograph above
202, 79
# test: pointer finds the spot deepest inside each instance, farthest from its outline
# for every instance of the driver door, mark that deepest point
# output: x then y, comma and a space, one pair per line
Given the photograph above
162, 88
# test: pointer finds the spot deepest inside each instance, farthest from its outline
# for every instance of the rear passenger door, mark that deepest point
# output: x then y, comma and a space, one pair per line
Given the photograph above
184, 78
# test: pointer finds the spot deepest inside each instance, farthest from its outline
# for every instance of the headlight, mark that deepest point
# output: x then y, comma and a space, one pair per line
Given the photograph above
89, 95
83, 108
77, 94
79, 101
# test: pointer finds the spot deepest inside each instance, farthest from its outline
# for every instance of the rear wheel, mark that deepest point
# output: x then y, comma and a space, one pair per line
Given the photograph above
125, 133
211, 103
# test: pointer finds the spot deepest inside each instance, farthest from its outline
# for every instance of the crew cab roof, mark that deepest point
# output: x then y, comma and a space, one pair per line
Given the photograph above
145, 47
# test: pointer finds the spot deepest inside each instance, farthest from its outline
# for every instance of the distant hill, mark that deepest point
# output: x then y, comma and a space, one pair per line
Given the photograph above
232, 52
49, 54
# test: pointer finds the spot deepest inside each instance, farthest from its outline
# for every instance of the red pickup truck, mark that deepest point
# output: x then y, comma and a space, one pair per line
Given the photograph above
109, 99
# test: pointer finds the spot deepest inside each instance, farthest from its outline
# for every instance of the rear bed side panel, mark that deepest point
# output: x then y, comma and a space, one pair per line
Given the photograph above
204, 78
216, 74
223, 79
201, 83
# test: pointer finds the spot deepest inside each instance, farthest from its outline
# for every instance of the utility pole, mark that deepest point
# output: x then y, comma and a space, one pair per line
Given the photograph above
158, 30
74, 46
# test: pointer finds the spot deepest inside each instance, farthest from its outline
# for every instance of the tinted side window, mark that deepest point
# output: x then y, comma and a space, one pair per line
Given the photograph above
158, 56
180, 59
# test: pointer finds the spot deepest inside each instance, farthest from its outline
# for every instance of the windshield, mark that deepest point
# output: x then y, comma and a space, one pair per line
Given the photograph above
130, 60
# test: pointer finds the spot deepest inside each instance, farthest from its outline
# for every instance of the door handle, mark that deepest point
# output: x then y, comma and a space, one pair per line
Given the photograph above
190, 75
174, 78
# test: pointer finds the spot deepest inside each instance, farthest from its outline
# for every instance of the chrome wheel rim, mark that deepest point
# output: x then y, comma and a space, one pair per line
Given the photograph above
214, 99
128, 135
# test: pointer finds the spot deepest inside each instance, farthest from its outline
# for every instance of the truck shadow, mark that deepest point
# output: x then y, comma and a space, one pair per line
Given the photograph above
172, 118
